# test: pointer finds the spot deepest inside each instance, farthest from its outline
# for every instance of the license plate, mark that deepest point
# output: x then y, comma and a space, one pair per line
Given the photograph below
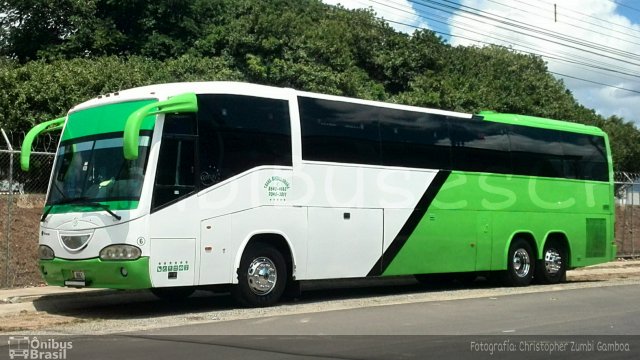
78, 275
75, 283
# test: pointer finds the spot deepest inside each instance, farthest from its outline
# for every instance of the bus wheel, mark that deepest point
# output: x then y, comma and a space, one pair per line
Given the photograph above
520, 264
262, 276
173, 293
552, 268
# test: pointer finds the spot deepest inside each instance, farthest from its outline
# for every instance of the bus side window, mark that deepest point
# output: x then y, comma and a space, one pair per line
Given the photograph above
536, 152
175, 174
240, 132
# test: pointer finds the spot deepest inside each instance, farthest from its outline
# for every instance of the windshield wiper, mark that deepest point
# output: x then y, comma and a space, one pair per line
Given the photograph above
80, 201
62, 201
103, 207
66, 200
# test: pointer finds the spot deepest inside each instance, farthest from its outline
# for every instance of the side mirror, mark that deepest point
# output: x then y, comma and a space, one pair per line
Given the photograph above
187, 102
47, 126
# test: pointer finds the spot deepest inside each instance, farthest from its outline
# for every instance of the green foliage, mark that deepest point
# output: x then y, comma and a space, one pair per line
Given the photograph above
57, 53
39, 90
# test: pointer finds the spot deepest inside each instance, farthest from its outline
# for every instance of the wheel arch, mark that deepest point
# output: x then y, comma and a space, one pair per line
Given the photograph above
525, 235
274, 238
560, 237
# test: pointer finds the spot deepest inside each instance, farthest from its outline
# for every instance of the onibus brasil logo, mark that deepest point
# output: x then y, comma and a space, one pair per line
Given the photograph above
24, 347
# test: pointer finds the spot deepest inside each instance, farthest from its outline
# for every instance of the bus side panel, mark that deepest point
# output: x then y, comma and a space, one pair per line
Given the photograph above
216, 251
443, 241
173, 241
343, 242
173, 262
289, 223
487, 210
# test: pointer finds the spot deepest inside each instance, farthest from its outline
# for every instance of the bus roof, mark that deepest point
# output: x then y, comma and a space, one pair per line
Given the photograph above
166, 90
539, 122
162, 91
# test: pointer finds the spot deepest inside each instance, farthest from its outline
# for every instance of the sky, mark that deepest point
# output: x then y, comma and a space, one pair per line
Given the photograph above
592, 45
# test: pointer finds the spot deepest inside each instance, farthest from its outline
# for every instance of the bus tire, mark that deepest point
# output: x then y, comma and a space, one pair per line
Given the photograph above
173, 293
520, 264
262, 276
552, 268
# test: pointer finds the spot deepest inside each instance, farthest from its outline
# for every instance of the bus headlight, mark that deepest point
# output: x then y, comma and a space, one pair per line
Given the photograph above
45, 253
120, 252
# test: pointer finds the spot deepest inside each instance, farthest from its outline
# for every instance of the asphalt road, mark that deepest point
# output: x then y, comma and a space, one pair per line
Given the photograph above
598, 323
613, 310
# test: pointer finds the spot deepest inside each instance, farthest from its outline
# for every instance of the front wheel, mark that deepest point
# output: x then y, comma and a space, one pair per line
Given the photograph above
552, 268
262, 276
520, 264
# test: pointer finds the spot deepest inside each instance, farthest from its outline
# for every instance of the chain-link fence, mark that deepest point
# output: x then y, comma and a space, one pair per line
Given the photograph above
22, 196
628, 214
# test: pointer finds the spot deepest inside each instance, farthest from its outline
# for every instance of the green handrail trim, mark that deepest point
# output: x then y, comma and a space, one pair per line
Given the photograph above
25, 151
187, 102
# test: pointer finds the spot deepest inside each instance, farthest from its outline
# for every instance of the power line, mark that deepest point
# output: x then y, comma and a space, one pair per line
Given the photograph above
594, 17
574, 18
504, 23
596, 82
582, 64
483, 42
589, 63
625, 5
572, 59
622, 60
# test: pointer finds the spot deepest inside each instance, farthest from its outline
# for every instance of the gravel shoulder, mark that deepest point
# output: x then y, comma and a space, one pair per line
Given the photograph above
113, 312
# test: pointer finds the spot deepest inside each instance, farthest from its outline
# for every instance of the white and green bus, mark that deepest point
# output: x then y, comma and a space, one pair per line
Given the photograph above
175, 187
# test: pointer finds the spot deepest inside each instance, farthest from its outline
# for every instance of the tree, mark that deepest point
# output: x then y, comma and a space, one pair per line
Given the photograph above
56, 53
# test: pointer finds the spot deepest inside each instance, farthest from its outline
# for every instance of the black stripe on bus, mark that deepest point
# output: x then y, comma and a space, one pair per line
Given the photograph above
410, 225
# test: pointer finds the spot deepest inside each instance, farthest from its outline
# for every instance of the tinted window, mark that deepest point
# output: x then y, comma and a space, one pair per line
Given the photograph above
585, 157
238, 133
478, 145
180, 124
414, 139
536, 151
339, 131
175, 174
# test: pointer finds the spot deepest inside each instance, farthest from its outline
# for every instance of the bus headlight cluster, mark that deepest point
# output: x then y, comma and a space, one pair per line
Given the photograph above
45, 253
120, 252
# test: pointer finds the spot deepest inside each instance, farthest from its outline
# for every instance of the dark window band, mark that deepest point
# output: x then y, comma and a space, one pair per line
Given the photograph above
337, 131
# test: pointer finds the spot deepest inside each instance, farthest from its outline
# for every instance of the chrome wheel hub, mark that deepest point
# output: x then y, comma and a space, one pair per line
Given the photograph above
262, 276
521, 263
552, 261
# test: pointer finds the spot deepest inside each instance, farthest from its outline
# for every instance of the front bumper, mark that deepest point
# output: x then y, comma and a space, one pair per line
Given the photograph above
98, 273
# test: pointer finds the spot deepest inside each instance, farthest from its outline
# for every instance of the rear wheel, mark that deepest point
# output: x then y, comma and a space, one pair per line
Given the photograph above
552, 268
262, 276
520, 264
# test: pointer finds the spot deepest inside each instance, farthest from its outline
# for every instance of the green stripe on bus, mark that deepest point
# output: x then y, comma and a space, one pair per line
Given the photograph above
113, 205
104, 119
474, 216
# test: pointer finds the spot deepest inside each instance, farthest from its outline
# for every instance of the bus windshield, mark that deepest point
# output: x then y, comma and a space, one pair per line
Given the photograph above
93, 169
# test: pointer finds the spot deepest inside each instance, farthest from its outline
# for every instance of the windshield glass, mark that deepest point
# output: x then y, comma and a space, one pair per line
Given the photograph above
93, 169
